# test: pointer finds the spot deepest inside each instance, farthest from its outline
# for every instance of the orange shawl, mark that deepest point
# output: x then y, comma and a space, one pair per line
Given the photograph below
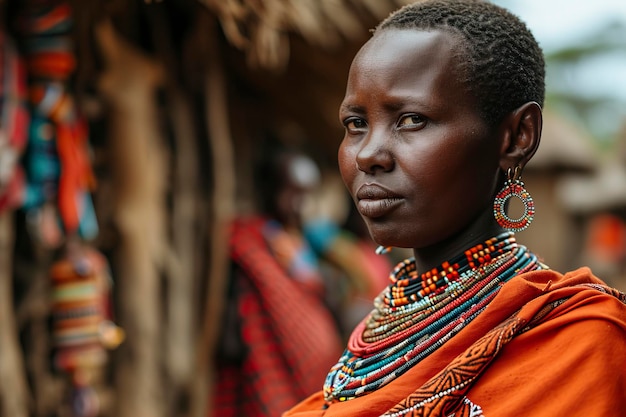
547, 345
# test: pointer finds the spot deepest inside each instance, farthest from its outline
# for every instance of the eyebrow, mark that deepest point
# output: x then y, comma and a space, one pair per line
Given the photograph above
399, 102
353, 108
395, 104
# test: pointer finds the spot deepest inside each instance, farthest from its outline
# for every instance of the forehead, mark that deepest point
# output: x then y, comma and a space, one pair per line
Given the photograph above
411, 50
390, 42
410, 62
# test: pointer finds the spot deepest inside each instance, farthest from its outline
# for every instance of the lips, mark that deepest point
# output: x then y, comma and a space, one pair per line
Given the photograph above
376, 201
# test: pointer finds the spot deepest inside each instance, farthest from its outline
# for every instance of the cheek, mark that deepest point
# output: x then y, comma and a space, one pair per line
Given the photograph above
346, 160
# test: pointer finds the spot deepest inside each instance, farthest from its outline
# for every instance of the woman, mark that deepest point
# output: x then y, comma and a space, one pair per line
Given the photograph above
279, 337
442, 111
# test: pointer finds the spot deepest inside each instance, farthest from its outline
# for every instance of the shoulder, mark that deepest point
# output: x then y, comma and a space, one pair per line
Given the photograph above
527, 294
577, 344
574, 297
577, 304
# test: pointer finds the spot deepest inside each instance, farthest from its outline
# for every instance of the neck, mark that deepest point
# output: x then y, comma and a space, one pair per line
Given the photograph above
483, 228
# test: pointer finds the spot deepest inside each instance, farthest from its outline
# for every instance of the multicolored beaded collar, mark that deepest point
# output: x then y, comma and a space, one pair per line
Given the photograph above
418, 313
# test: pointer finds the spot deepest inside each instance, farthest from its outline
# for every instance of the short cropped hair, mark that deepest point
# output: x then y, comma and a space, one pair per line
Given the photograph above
501, 63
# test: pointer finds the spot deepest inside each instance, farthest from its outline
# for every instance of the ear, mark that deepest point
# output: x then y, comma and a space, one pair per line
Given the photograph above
521, 132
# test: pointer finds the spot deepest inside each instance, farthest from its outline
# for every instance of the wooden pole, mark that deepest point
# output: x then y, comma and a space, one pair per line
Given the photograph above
182, 271
139, 168
13, 387
223, 200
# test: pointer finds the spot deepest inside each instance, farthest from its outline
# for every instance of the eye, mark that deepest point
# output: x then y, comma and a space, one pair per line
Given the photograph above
411, 121
355, 125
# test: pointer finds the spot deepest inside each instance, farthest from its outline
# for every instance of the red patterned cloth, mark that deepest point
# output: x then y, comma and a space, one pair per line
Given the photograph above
285, 338
14, 121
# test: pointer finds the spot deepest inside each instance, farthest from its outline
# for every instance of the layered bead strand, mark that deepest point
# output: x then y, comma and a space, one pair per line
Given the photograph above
418, 313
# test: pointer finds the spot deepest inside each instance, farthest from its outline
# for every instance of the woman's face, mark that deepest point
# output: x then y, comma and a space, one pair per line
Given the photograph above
417, 158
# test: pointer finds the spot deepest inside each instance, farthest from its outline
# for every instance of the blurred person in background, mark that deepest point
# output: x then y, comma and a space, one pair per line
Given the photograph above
355, 274
279, 336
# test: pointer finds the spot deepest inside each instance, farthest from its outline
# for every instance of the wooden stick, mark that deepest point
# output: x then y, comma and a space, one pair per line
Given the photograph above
13, 388
223, 208
139, 166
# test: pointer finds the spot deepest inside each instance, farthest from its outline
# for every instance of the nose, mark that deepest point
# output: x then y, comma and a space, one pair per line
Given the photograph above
375, 153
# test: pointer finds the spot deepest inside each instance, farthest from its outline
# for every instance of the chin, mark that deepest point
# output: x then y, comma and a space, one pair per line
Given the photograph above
385, 237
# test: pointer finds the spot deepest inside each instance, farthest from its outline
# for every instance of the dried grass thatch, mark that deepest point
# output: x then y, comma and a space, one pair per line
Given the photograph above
262, 28
564, 146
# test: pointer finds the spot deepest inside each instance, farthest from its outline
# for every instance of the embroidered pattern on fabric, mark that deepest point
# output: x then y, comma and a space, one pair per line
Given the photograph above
445, 393
607, 290
472, 410
469, 409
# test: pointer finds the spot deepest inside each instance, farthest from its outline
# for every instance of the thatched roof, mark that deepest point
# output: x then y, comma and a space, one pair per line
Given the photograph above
603, 191
262, 28
592, 181
564, 146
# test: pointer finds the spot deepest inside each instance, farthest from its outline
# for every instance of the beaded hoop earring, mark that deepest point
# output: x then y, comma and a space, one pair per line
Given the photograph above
513, 187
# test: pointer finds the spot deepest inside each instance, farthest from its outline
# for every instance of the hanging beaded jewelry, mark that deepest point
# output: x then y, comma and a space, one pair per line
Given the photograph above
418, 313
513, 187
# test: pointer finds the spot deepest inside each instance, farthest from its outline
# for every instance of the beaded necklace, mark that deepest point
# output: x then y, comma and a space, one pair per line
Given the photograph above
418, 313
